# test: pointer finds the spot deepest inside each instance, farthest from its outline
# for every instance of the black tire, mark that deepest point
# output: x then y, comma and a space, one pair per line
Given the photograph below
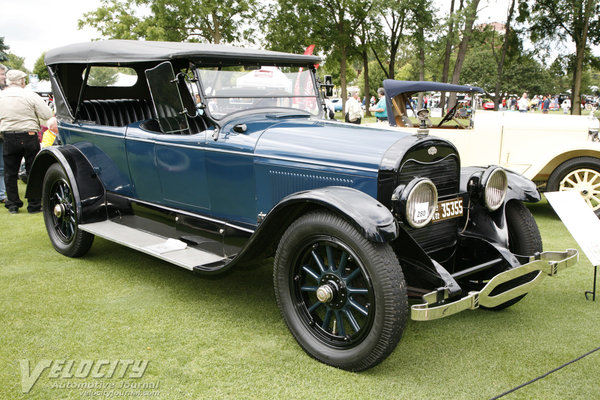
60, 214
581, 174
360, 319
523, 239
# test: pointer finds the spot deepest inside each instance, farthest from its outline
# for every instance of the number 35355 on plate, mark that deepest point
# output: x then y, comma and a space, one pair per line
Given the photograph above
448, 209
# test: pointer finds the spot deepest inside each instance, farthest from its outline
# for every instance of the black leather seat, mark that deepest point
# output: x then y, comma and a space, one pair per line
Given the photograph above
123, 112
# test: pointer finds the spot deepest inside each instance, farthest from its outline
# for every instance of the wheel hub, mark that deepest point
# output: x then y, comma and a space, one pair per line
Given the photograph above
59, 210
325, 294
332, 291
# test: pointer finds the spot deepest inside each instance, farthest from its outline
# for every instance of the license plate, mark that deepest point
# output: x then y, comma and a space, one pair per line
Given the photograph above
448, 209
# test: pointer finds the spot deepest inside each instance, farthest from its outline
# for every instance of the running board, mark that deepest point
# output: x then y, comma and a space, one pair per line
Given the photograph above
171, 250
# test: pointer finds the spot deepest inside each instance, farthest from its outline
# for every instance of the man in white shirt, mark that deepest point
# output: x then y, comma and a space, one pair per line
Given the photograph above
21, 114
523, 103
354, 112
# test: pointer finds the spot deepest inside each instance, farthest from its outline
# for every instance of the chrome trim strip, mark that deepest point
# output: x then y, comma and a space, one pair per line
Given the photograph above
188, 213
289, 159
547, 263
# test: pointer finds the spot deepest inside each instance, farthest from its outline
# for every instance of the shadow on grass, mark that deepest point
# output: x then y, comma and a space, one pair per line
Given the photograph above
247, 289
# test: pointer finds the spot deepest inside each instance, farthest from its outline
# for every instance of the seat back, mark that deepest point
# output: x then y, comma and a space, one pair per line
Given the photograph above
123, 112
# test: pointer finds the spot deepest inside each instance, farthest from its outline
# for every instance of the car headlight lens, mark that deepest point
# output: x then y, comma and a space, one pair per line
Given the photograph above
421, 203
495, 187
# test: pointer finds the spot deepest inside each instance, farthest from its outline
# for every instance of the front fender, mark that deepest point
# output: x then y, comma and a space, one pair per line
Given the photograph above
369, 216
366, 214
88, 192
491, 225
519, 187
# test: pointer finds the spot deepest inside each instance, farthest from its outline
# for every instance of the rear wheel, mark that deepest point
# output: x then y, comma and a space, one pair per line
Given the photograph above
342, 297
60, 214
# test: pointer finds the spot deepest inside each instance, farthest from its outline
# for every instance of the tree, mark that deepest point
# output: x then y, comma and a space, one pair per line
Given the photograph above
395, 16
40, 69
577, 21
500, 68
330, 24
470, 16
16, 62
212, 21
3, 50
447, 52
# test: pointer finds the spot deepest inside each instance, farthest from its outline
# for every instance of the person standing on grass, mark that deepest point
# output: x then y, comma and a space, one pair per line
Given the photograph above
3, 70
354, 111
566, 105
21, 114
546, 104
380, 108
523, 103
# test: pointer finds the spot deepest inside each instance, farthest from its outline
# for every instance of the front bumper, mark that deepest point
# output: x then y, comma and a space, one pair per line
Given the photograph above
546, 263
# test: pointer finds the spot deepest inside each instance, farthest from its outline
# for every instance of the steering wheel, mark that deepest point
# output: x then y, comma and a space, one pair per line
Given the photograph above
449, 115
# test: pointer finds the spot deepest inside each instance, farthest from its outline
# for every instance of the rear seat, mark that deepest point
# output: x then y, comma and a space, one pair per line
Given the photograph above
123, 112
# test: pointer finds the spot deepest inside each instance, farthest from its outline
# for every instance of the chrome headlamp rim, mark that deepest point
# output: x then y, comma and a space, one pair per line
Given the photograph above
495, 186
412, 190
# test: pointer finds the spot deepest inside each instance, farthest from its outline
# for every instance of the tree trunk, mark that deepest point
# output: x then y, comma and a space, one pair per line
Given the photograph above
497, 94
462, 48
580, 38
343, 54
447, 54
421, 44
367, 92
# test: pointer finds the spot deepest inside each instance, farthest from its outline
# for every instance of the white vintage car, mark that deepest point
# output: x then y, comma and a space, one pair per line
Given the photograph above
557, 152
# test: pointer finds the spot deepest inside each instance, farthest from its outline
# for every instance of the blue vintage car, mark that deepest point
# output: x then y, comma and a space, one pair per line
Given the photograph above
213, 157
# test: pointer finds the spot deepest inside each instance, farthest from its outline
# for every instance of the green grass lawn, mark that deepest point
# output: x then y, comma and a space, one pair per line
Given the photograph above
224, 338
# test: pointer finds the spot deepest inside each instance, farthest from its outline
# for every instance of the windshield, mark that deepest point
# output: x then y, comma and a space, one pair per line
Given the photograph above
266, 87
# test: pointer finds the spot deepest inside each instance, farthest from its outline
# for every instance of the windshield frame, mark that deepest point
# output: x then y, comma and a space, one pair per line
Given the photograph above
279, 110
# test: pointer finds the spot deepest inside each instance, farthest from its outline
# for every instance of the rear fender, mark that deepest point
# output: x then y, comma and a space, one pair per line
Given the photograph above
88, 191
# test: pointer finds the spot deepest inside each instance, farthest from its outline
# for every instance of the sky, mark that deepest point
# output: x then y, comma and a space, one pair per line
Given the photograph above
31, 27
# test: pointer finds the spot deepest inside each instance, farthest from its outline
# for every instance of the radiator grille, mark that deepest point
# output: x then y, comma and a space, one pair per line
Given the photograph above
445, 174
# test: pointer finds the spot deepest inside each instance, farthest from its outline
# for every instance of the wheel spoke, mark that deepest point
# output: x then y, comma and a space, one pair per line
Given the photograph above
570, 182
312, 273
358, 307
327, 319
357, 290
352, 320
585, 177
340, 324
330, 259
343, 261
309, 288
318, 260
314, 306
352, 275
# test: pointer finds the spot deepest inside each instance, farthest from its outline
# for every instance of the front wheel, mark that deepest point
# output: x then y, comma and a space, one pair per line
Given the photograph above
342, 297
60, 214
581, 174
523, 239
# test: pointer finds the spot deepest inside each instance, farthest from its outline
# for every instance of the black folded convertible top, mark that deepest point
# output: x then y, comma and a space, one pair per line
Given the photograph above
394, 88
132, 51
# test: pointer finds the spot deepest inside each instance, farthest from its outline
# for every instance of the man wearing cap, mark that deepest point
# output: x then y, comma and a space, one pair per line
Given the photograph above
21, 114
3, 70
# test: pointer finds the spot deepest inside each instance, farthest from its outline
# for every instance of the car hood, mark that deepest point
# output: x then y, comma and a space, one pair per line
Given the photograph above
331, 143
